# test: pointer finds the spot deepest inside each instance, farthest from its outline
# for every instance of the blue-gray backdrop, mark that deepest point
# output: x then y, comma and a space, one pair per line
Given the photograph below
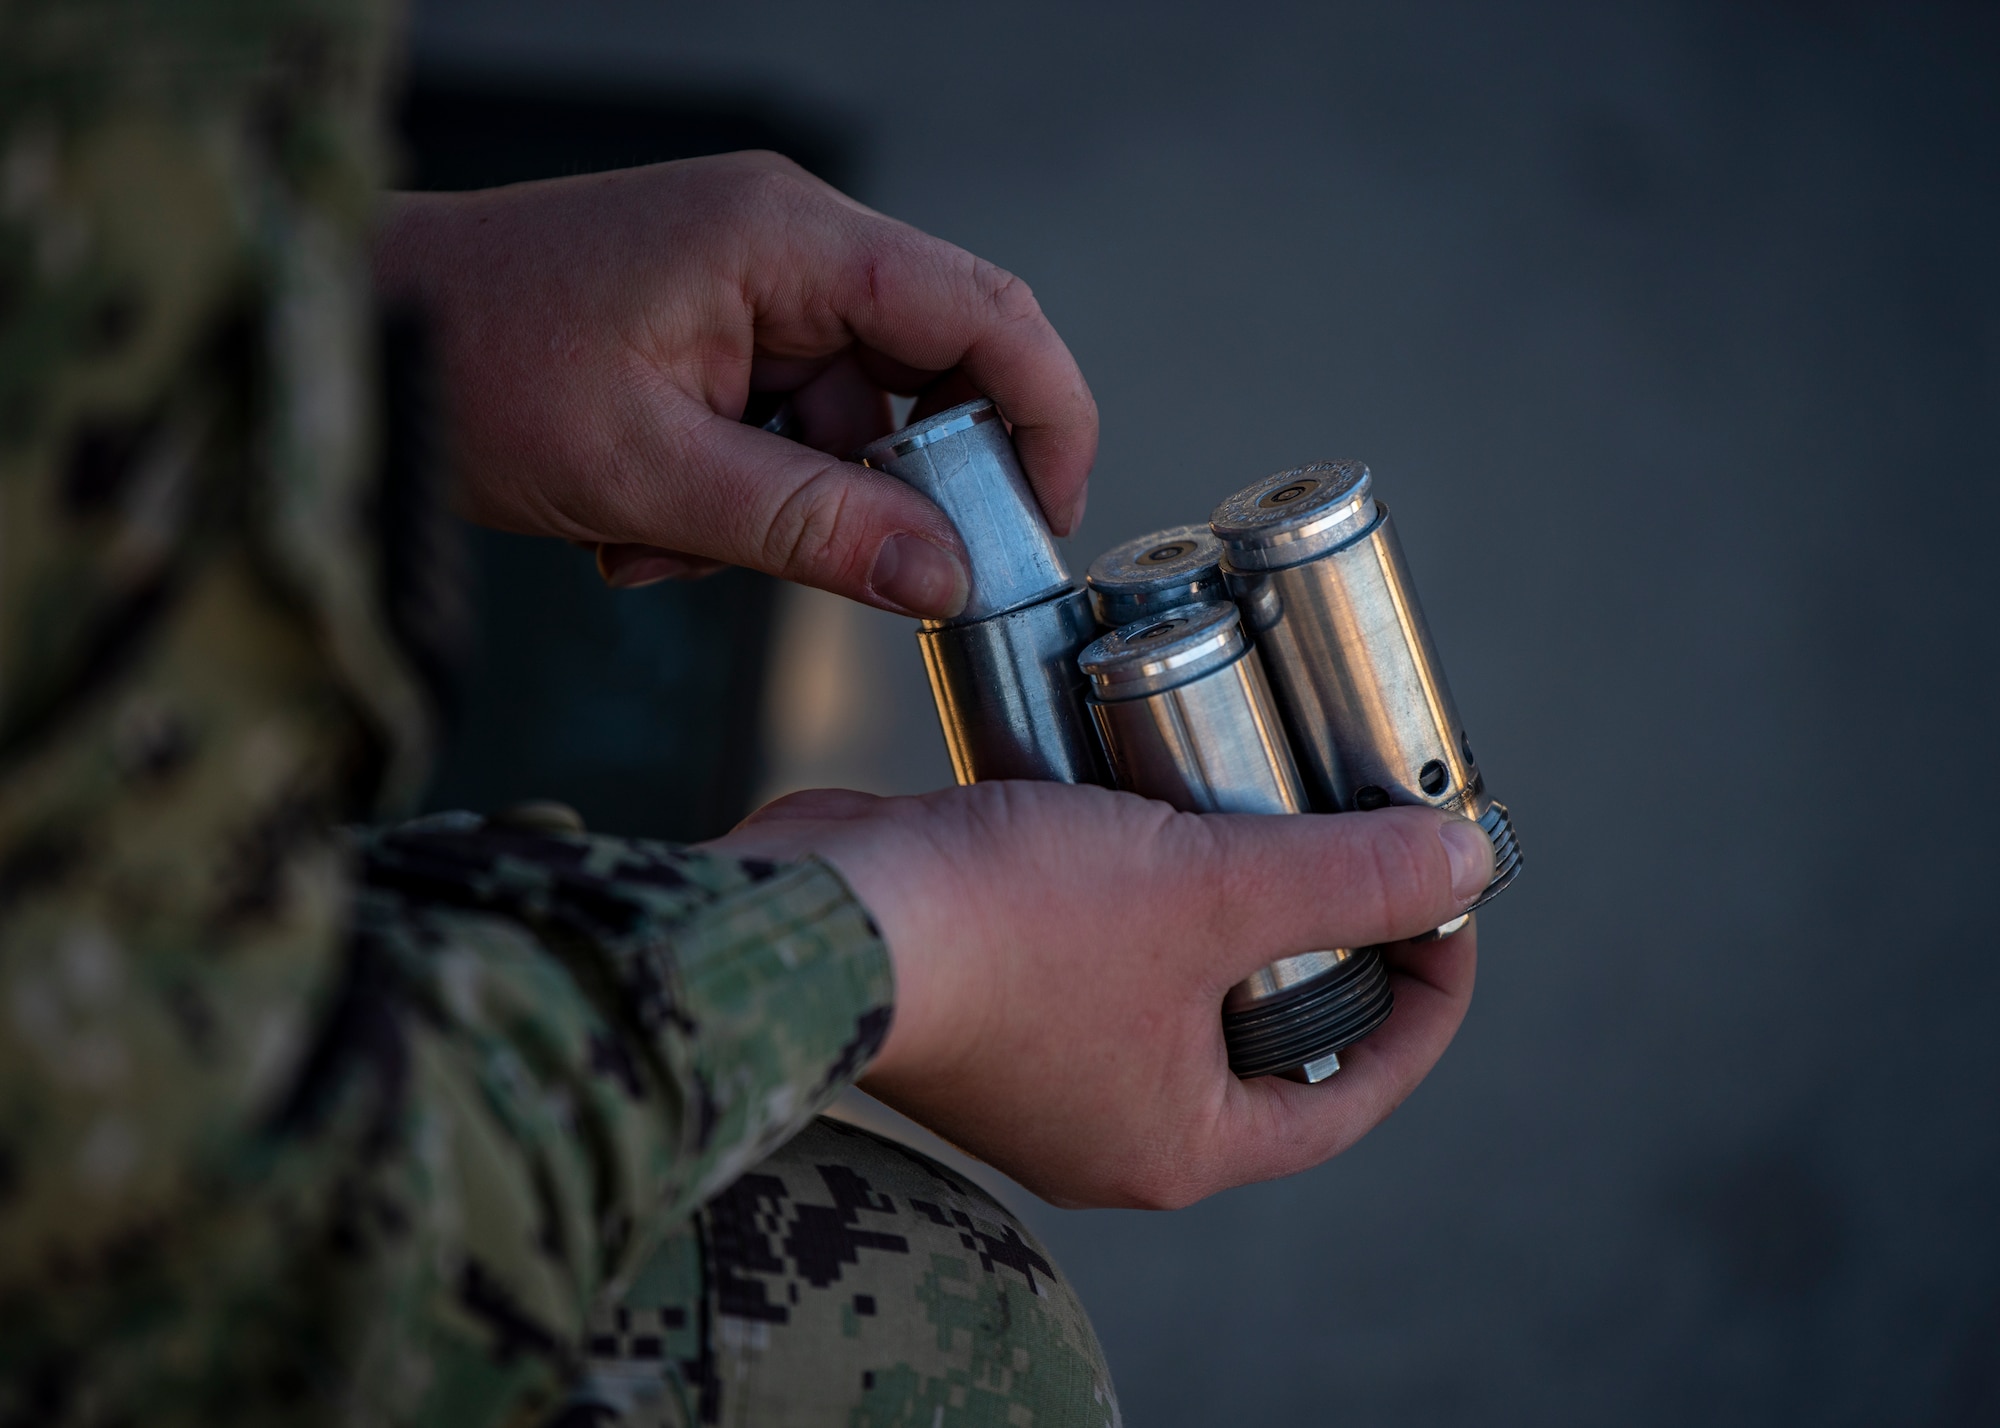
1673, 331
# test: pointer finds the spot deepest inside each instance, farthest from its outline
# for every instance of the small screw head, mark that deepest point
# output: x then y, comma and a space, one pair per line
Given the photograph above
1313, 1072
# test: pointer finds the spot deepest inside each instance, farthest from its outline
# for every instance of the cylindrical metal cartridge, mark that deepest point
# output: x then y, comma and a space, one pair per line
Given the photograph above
1156, 573
1003, 671
1316, 569
1009, 696
1187, 718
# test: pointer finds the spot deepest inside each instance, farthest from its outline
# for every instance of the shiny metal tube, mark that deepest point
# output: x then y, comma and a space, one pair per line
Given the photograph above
964, 460
1003, 671
1181, 565
1187, 717
1314, 564
1010, 696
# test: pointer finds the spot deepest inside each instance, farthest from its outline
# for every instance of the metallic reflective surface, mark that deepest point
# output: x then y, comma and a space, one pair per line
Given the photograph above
1292, 1033
1294, 515
1350, 657
1010, 696
783, 421
1314, 1072
1166, 570
1151, 656
1003, 671
1187, 717
1282, 975
964, 460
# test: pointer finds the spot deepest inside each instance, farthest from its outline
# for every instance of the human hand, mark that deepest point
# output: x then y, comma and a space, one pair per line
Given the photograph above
601, 335
1061, 955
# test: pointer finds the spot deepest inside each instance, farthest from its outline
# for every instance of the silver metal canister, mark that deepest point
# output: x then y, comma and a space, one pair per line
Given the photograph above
1187, 718
1003, 671
1315, 567
1156, 573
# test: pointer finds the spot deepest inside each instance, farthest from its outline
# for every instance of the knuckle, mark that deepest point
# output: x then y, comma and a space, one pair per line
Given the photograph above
763, 183
770, 161
806, 534
1377, 884
1007, 297
1397, 875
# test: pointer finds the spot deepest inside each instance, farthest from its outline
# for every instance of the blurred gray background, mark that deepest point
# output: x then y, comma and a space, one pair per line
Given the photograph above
1672, 330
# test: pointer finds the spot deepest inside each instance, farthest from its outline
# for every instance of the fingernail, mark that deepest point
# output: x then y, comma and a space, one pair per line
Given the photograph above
911, 572
1471, 857
630, 571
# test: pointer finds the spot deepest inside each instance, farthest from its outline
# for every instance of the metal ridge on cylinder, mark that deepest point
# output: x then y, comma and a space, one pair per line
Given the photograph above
1309, 1024
1003, 671
1181, 565
1009, 695
963, 459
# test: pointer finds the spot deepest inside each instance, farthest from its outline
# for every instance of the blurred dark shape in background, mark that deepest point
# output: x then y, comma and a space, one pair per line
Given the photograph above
637, 707
1672, 331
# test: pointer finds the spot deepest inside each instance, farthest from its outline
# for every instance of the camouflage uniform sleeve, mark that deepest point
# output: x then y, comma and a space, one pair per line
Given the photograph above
708, 1006
568, 1043
297, 1128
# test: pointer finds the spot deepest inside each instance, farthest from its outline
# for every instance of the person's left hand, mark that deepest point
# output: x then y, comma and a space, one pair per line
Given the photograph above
1062, 952
601, 336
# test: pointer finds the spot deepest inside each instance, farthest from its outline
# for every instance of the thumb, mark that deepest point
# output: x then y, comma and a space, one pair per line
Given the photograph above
1303, 882
805, 516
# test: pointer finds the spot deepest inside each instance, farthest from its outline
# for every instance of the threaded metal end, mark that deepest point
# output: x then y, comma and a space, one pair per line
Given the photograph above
1506, 851
1312, 1020
1499, 829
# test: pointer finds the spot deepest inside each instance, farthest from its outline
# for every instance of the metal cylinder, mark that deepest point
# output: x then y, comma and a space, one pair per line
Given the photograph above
1313, 562
1156, 573
964, 460
1010, 696
1187, 717
1003, 670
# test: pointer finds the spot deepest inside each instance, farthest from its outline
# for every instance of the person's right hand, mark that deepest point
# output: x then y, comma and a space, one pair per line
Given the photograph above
1061, 956
600, 335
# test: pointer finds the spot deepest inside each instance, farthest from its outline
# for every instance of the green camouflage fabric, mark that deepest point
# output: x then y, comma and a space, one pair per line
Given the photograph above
396, 1126
846, 1280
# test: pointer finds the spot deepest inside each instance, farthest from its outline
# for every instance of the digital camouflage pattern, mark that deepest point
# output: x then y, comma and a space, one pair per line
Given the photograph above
408, 1126
900, 1293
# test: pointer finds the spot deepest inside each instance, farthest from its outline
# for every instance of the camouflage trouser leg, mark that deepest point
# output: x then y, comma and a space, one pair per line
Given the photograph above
850, 1281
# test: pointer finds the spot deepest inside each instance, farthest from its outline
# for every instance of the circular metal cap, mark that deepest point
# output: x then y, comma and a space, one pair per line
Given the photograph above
1152, 656
1295, 515
1162, 571
931, 430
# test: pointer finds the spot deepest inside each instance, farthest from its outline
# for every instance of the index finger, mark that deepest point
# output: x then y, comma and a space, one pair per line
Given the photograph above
928, 305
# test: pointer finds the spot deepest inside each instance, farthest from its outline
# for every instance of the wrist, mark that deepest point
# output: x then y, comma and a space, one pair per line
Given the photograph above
890, 889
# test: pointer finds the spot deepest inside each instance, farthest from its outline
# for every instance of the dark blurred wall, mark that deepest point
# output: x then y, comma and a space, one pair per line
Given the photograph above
1673, 332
